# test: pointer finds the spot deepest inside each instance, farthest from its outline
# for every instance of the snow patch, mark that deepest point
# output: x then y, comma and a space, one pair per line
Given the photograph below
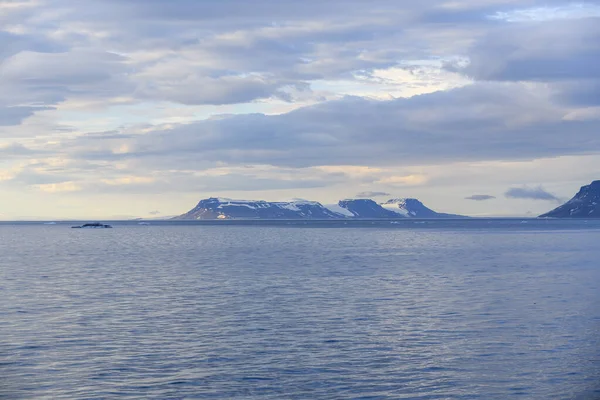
395, 208
237, 205
305, 203
287, 206
336, 208
228, 200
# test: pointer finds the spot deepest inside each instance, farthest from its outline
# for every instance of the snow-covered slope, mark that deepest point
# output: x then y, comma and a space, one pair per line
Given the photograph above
413, 208
336, 208
585, 204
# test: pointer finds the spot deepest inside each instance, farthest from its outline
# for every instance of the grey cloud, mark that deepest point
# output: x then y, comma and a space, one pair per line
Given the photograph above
18, 150
193, 64
51, 77
480, 197
537, 193
239, 11
196, 52
43, 80
30, 177
563, 53
14, 115
13, 44
556, 51
225, 52
260, 11
477, 122
223, 90
585, 93
62, 68
367, 195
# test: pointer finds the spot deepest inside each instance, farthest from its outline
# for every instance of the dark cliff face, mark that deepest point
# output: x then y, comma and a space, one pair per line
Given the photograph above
585, 204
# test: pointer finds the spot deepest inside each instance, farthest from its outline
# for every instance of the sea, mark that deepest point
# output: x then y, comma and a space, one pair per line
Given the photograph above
415, 309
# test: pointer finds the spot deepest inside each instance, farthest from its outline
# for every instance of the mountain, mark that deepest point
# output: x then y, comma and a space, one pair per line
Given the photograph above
366, 208
585, 204
219, 208
413, 208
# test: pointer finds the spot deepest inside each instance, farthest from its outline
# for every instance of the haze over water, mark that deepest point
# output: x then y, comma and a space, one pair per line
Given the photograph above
436, 310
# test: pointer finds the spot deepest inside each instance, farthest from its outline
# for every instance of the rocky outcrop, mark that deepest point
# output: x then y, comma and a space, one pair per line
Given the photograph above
585, 204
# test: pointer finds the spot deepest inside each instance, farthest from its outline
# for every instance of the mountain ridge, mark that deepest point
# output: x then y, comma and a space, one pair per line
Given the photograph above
225, 208
585, 204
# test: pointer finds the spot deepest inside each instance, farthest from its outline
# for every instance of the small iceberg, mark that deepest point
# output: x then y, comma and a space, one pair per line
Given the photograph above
94, 225
49, 223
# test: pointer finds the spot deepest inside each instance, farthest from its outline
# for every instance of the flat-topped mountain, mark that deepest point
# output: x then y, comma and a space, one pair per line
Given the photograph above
221, 208
585, 204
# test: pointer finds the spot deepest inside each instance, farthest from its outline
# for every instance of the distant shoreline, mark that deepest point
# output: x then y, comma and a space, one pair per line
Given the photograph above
314, 222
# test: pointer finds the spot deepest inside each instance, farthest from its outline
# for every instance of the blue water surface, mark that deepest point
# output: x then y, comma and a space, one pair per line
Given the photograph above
471, 309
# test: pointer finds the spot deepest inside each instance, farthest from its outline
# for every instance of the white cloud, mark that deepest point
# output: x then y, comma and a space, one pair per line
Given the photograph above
570, 11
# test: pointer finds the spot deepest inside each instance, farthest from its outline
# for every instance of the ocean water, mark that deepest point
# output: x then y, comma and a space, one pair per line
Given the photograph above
482, 309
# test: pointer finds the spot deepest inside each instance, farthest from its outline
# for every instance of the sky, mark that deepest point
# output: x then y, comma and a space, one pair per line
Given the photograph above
140, 108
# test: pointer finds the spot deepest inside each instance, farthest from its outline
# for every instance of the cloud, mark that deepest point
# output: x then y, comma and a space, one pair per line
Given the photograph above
199, 53
561, 50
196, 89
480, 197
32, 82
228, 52
17, 150
403, 180
352, 139
571, 11
207, 53
14, 115
154, 212
59, 187
368, 195
137, 97
537, 193
554, 51
483, 121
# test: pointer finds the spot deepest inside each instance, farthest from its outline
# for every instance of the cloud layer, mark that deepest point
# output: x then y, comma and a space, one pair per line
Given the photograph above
480, 197
536, 193
369, 194
143, 97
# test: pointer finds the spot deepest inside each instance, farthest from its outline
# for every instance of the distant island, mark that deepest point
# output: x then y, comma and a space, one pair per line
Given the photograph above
222, 208
585, 204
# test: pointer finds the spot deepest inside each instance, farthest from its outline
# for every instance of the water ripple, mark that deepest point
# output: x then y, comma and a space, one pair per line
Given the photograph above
249, 312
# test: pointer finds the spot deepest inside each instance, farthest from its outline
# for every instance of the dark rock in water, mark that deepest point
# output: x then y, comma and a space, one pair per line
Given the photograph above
94, 225
585, 204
